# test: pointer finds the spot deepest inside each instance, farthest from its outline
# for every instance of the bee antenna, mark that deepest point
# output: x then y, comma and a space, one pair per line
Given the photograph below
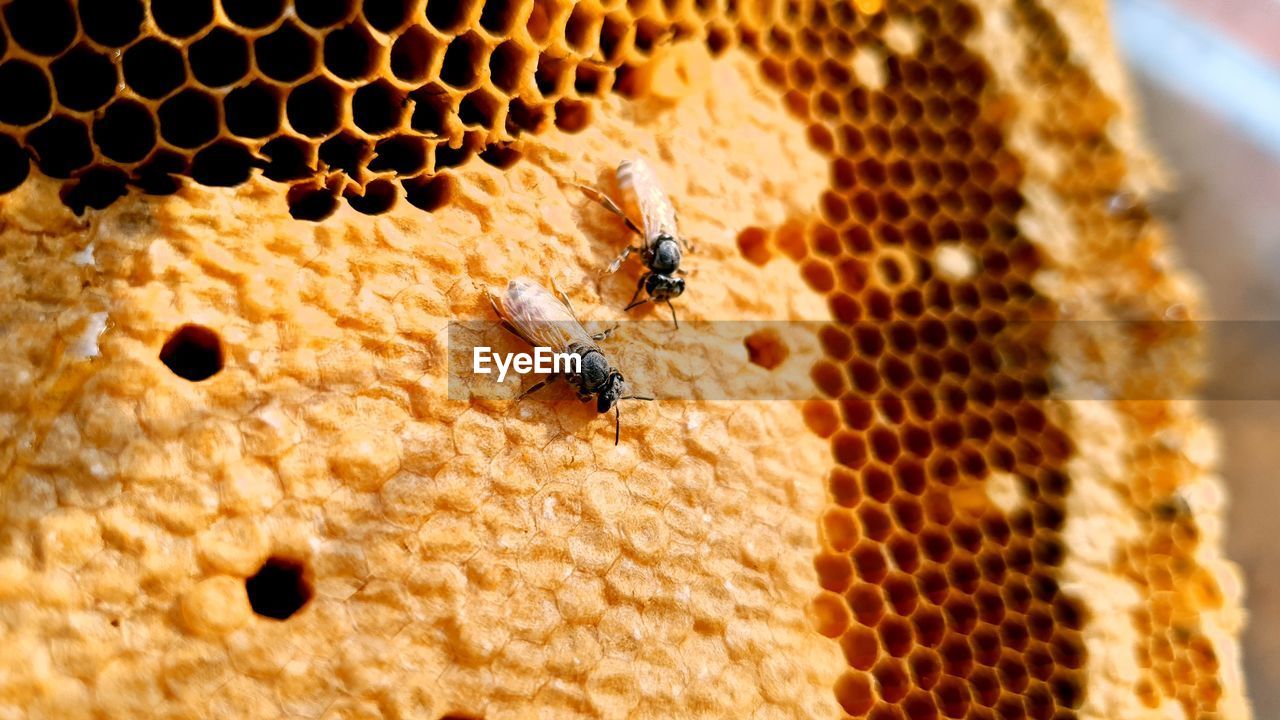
636, 303
617, 423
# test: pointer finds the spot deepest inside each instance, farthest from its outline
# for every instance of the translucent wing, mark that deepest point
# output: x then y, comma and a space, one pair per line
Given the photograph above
643, 198
540, 318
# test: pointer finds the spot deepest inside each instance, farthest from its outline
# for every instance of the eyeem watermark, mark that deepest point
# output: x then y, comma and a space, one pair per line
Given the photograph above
542, 361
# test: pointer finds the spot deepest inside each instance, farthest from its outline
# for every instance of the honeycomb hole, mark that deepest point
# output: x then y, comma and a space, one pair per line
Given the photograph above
253, 111
313, 109
219, 58
286, 55
507, 66
572, 116
431, 193
753, 243
253, 14
499, 16
287, 159
84, 79
350, 52
583, 29
461, 58
402, 154
222, 164
387, 15
766, 349
279, 589
114, 23
378, 108
97, 188
413, 54
346, 152
378, 197
193, 352
479, 109
447, 157
189, 119
61, 146
613, 37
500, 155
26, 92
42, 27
182, 18
15, 164
431, 111
540, 19
125, 132
308, 202
448, 17
153, 68
324, 13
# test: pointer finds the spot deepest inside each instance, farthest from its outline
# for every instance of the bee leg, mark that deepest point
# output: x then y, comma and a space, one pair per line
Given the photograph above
617, 423
537, 386
639, 286
610, 205
617, 263
673, 314
605, 334
563, 298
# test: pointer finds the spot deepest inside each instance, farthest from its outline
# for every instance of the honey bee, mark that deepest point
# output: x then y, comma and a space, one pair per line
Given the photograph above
643, 198
533, 314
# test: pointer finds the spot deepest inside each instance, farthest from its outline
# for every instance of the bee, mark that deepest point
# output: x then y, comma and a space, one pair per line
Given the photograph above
533, 314
642, 198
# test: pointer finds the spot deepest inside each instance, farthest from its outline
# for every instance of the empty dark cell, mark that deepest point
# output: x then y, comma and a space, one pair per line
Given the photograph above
288, 159
447, 157
345, 152
500, 155
253, 111
413, 54
323, 13
307, 202
506, 66
581, 30
572, 116
461, 60
612, 32
25, 93
153, 68
378, 108
379, 196
279, 589
430, 193
222, 164
97, 188
522, 116
15, 165
387, 15
84, 79
60, 146
314, 109
499, 15
447, 15
219, 58
156, 175
479, 108
402, 154
286, 54
125, 131
431, 111
182, 18
193, 352
253, 13
44, 27
189, 119
114, 23
350, 52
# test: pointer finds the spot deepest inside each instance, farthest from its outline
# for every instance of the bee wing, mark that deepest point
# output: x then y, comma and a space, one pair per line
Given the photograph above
542, 319
643, 198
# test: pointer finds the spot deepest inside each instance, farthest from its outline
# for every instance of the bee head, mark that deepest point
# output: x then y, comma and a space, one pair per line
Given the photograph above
666, 255
608, 395
664, 287
595, 372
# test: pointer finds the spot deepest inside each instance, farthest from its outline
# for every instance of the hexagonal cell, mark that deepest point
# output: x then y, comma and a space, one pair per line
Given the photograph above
60, 146
351, 53
125, 131
324, 13
450, 157
41, 27
464, 56
289, 158
414, 54
315, 108
310, 202
430, 193
154, 68
582, 31
253, 14
189, 119
182, 18
26, 91
254, 110
377, 197
401, 154
387, 15
97, 188
84, 78
378, 108
219, 58
114, 23
432, 108
508, 65
346, 152
15, 164
499, 16
225, 163
480, 109
450, 17
288, 54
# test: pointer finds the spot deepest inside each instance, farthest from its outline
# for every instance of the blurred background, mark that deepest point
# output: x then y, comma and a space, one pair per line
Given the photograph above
1208, 76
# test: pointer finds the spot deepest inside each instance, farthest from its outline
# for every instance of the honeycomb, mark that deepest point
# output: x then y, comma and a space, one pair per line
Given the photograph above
241, 488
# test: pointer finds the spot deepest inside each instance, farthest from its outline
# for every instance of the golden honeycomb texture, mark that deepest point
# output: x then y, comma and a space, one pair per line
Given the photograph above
232, 480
